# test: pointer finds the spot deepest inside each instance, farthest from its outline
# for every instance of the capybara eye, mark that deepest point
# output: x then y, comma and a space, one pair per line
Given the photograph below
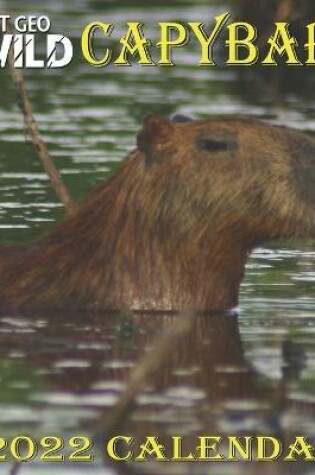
181, 118
213, 145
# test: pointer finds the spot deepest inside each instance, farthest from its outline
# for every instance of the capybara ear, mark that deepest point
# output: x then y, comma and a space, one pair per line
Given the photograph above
155, 137
178, 118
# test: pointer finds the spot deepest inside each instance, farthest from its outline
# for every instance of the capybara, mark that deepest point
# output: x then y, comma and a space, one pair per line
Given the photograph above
173, 228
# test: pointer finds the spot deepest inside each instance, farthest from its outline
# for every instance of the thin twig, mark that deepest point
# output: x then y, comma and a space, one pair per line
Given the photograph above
32, 131
151, 362
15, 469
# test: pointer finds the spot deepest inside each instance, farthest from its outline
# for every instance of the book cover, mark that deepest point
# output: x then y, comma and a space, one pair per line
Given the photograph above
157, 223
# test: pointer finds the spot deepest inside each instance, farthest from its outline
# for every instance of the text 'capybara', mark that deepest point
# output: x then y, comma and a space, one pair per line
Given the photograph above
173, 228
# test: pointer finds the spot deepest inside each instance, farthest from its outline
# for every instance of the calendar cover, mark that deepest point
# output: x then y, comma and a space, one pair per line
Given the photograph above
157, 224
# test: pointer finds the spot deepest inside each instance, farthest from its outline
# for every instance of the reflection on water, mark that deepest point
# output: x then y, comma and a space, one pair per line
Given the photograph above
59, 376
252, 374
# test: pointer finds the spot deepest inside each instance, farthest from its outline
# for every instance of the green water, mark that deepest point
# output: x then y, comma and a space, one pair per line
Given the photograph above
254, 374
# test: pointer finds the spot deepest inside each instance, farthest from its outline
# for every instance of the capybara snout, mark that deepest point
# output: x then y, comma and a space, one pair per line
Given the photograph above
174, 227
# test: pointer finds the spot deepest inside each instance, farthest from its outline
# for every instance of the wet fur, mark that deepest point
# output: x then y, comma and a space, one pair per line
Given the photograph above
173, 228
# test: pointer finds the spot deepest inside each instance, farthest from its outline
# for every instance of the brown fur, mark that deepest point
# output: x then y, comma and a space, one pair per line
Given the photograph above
173, 228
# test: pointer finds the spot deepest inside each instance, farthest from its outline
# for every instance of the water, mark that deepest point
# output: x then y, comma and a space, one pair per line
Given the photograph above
254, 373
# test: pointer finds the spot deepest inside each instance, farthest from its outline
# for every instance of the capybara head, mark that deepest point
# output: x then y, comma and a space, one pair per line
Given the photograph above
173, 228
244, 177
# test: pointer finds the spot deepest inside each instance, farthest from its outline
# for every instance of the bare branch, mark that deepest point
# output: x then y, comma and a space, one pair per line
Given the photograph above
162, 347
32, 131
